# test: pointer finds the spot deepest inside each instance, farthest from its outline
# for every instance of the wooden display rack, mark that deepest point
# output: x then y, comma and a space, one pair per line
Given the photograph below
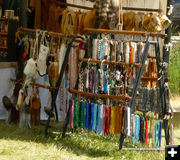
120, 98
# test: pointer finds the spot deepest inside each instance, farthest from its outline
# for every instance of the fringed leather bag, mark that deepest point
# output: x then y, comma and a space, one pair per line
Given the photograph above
35, 105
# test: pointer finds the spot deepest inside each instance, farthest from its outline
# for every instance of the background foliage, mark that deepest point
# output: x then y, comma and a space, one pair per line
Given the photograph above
174, 69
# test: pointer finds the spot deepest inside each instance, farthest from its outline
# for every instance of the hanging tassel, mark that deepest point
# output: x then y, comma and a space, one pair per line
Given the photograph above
133, 123
159, 133
153, 129
118, 120
87, 78
127, 52
150, 132
89, 121
76, 113
94, 126
92, 115
107, 120
93, 79
172, 134
129, 121
131, 53
116, 126
144, 133
66, 80
87, 116
96, 81
105, 82
103, 118
82, 114
100, 119
78, 110
102, 51
132, 126
112, 119
94, 54
141, 129
146, 136
137, 130
155, 134
72, 114
137, 54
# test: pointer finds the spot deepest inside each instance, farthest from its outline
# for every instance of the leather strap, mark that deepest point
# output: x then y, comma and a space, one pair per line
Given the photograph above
72, 114
146, 136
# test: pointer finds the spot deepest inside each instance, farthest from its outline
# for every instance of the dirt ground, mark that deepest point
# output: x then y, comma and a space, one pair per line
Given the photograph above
175, 102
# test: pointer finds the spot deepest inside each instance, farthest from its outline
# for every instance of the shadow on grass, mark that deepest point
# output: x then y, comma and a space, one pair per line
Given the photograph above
88, 144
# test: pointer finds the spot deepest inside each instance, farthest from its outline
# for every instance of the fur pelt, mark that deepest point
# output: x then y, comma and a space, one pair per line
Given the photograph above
35, 106
20, 99
12, 113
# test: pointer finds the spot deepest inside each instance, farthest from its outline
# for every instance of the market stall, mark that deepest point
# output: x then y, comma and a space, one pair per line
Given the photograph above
100, 66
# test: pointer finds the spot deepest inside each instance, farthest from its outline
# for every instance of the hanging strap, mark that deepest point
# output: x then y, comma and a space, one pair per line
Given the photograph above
120, 24
146, 136
92, 115
102, 51
95, 48
87, 76
128, 121
75, 117
93, 74
87, 116
142, 129
137, 130
100, 119
132, 128
153, 128
105, 82
35, 49
82, 114
171, 134
94, 126
107, 120
155, 134
72, 114
112, 119
159, 133
43, 38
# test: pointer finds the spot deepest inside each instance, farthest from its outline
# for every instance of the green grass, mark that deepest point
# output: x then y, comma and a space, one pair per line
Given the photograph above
30, 144
174, 69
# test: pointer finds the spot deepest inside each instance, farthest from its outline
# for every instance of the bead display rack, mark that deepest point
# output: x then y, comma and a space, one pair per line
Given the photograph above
140, 66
